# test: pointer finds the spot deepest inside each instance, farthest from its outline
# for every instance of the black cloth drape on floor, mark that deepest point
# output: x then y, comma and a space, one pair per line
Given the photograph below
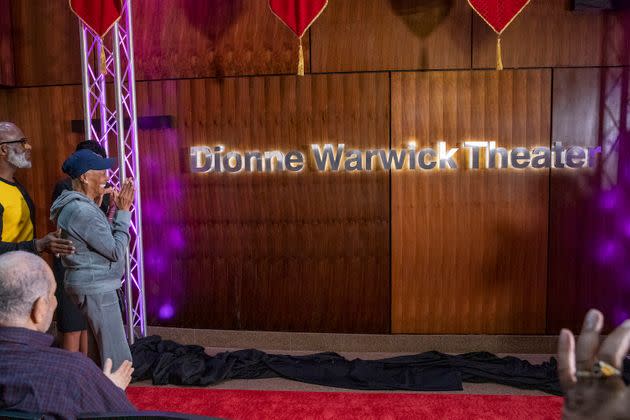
166, 362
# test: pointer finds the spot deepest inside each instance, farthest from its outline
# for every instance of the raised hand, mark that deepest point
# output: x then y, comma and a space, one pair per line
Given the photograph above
120, 377
99, 199
124, 199
594, 390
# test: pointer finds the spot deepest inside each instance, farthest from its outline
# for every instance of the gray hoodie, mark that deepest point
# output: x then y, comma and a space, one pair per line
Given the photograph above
98, 262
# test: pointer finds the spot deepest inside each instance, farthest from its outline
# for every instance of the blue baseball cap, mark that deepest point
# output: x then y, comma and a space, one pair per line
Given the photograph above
85, 160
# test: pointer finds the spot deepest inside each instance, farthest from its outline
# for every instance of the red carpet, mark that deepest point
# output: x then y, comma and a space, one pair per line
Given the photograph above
342, 405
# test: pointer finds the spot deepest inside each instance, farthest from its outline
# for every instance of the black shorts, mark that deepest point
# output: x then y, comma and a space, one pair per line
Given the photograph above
69, 317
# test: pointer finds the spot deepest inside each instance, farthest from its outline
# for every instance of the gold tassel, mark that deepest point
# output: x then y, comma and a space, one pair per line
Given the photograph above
499, 60
103, 61
300, 71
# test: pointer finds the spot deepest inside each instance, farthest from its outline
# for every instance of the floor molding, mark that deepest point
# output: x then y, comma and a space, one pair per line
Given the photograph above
394, 343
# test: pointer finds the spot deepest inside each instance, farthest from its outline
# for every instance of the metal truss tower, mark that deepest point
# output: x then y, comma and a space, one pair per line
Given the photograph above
613, 111
110, 118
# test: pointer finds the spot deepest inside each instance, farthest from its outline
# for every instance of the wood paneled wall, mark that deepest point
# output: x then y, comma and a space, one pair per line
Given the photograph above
355, 35
44, 114
46, 43
458, 257
439, 252
548, 33
172, 39
213, 38
295, 252
589, 256
7, 78
192, 38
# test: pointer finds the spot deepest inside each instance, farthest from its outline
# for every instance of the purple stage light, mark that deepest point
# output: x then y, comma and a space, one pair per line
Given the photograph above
619, 315
175, 238
608, 251
171, 138
174, 188
166, 311
153, 212
623, 281
151, 164
609, 200
155, 261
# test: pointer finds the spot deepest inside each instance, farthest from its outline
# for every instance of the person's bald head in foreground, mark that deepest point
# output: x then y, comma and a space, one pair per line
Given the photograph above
27, 291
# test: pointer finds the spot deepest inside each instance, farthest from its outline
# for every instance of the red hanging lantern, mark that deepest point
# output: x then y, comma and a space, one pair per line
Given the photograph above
498, 14
298, 15
98, 15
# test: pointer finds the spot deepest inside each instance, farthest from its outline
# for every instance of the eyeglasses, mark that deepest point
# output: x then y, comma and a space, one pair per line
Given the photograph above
22, 141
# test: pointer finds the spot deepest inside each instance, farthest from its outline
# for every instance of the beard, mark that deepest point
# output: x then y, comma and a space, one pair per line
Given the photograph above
19, 160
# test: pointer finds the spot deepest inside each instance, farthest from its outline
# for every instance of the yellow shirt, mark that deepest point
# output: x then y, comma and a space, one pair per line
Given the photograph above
16, 213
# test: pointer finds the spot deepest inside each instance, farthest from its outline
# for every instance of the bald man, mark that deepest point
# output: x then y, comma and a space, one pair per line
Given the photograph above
17, 212
35, 377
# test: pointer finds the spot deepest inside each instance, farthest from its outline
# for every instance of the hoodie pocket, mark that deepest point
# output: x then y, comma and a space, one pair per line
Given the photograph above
108, 299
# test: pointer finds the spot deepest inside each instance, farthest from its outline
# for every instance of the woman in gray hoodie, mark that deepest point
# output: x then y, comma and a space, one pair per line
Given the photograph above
95, 270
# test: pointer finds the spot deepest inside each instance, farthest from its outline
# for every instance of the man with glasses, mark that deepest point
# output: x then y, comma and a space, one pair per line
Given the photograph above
17, 212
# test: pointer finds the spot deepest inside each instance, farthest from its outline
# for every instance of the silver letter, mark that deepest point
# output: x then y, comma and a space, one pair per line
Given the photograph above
269, 156
294, 161
399, 159
492, 156
200, 159
543, 160
422, 158
473, 158
446, 158
575, 157
353, 161
258, 159
517, 155
592, 155
238, 160
328, 157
